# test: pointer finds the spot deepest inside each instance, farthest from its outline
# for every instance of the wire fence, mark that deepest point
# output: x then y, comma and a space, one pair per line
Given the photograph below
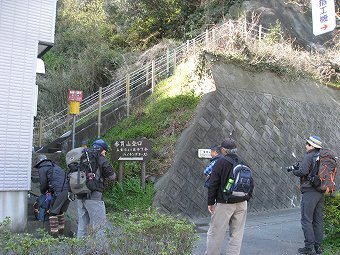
143, 79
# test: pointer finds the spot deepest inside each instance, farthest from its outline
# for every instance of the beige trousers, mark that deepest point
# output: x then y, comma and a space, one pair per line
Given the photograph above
226, 215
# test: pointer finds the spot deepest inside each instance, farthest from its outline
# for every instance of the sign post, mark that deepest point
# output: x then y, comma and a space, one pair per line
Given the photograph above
323, 13
131, 150
74, 99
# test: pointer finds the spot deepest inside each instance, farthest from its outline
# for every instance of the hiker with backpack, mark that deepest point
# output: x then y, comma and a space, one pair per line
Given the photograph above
91, 165
312, 200
53, 182
231, 186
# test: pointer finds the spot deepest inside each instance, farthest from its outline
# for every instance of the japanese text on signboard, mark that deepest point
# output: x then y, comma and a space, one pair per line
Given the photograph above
323, 13
75, 95
134, 149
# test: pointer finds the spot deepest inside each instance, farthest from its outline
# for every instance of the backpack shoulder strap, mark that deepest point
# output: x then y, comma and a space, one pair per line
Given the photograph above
89, 161
234, 162
231, 160
316, 164
96, 155
50, 186
98, 165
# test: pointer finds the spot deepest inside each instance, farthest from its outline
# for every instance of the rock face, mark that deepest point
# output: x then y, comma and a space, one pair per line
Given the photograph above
270, 117
295, 19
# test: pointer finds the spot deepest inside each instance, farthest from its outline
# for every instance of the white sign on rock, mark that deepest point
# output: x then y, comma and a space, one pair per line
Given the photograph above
323, 12
204, 153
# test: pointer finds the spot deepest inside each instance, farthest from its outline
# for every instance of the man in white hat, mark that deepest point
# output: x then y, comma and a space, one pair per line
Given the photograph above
312, 200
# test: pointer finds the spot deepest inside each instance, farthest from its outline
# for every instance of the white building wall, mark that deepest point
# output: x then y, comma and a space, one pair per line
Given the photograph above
23, 23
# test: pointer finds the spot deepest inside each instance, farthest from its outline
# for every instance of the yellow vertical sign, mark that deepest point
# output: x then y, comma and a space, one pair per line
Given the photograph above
74, 107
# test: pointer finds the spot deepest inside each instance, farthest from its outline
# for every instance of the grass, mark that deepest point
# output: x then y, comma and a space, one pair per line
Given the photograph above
332, 225
128, 196
161, 119
279, 55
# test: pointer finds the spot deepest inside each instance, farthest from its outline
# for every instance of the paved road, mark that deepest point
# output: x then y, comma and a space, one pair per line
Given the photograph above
269, 233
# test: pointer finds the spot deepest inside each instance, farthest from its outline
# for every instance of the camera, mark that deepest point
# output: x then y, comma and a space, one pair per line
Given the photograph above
293, 167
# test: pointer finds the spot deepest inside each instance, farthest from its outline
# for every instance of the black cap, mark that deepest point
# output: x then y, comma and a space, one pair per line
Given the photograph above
216, 148
38, 159
228, 144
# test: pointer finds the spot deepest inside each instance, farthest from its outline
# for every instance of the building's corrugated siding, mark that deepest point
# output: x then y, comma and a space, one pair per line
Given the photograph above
23, 23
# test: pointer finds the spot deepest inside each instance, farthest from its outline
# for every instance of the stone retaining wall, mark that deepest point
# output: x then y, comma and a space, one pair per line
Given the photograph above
270, 118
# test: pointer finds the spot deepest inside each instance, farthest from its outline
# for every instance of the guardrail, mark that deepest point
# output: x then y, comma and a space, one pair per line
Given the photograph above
141, 80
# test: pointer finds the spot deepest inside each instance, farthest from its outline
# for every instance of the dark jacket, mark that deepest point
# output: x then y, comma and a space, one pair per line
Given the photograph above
305, 168
52, 177
106, 170
219, 178
209, 168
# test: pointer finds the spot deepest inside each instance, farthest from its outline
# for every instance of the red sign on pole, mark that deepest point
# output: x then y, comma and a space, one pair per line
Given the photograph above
75, 95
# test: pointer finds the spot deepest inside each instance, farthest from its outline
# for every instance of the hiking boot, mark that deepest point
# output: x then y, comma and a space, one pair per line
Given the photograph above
61, 224
53, 225
318, 249
306, 250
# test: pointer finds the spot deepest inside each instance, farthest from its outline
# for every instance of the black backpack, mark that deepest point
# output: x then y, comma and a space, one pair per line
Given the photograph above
240, 183
84, 177
322, 177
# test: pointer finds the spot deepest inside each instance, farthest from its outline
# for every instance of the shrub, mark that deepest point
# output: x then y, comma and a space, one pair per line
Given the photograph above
153, 233
332, 224
144, 233
42, 243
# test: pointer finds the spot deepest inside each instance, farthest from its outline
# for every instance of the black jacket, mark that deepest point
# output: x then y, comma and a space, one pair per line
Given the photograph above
52, 177
106, 170
219, 178
305, 168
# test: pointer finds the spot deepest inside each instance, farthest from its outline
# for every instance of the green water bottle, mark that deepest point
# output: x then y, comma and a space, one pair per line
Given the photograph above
229, 184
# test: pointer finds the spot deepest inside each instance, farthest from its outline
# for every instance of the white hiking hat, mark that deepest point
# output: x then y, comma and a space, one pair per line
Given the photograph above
315, 141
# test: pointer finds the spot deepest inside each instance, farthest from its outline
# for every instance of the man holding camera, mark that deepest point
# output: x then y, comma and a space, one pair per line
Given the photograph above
312, 200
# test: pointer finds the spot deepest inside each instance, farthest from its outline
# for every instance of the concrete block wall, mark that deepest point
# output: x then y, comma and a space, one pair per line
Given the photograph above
268, 124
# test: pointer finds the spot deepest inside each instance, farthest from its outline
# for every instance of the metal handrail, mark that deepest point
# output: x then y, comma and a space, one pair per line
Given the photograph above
59, 123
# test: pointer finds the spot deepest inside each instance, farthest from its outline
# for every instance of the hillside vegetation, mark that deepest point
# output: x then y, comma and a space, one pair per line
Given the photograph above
98, 40
95, 38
